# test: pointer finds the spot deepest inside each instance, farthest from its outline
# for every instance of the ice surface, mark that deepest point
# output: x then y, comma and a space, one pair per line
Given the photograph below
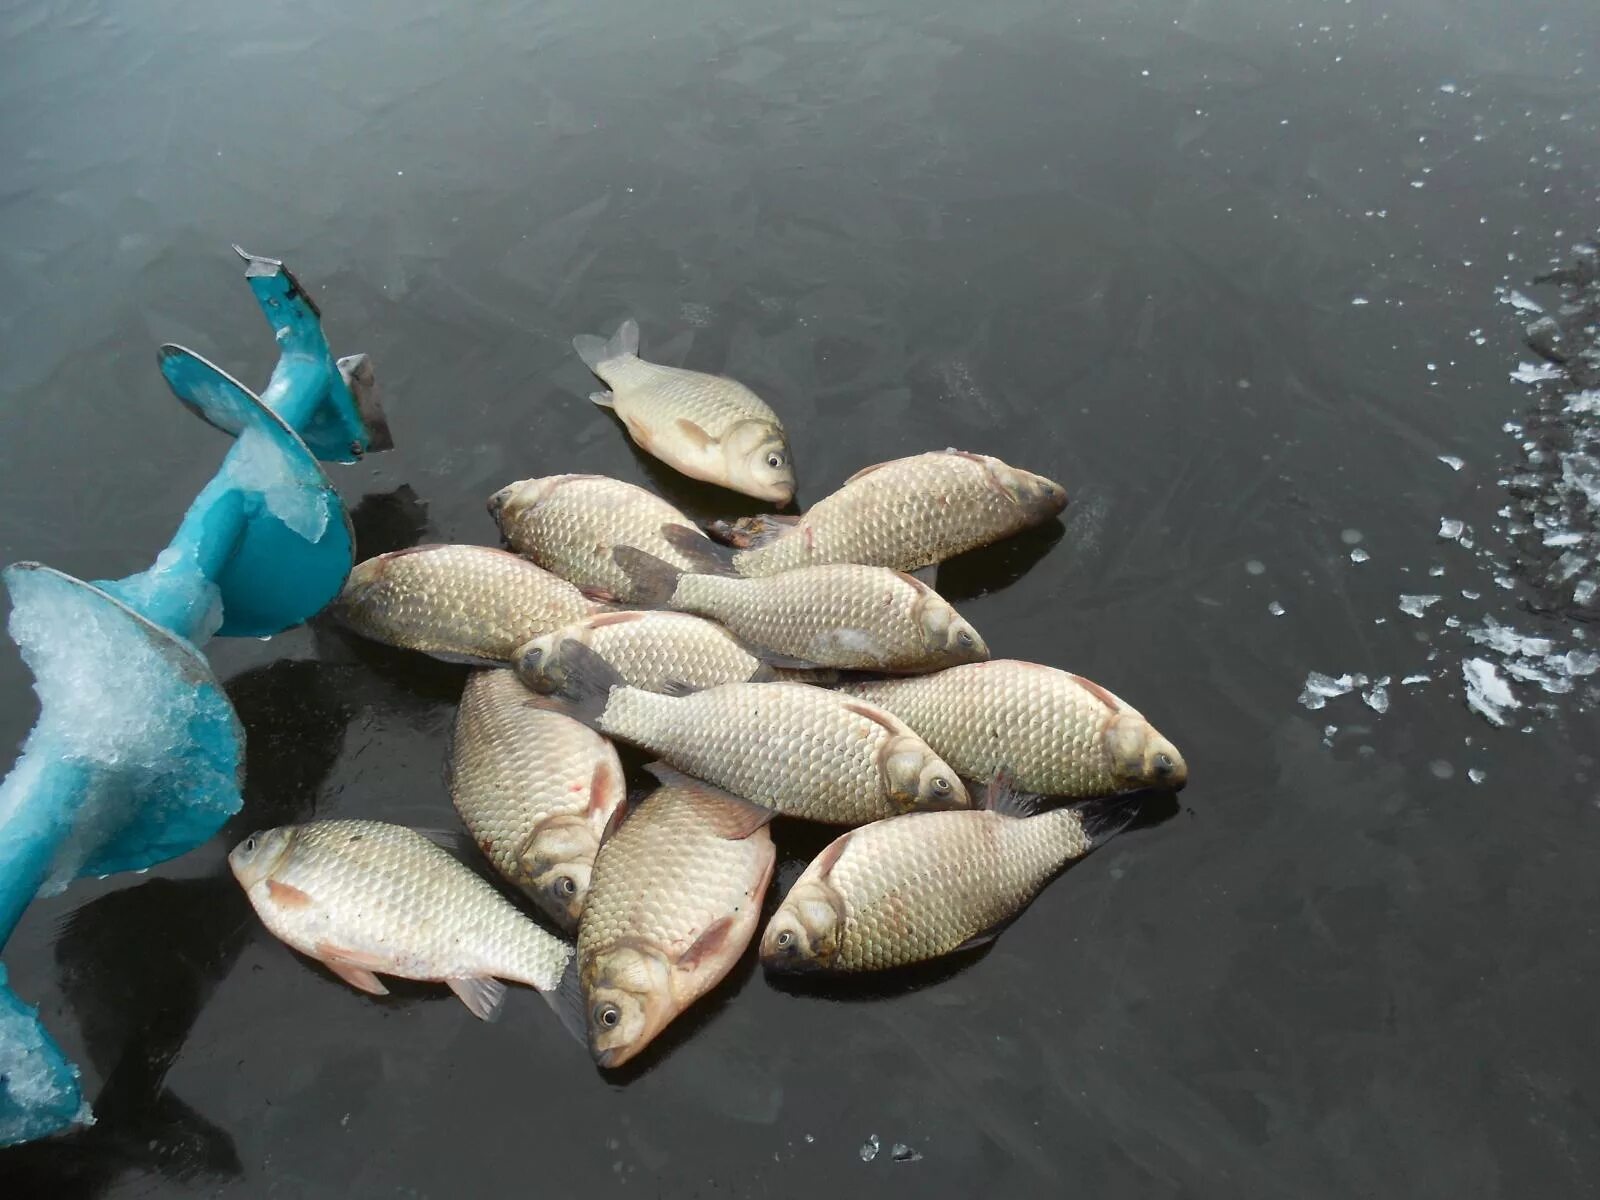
1450, 529
257, 464
149, 747
1321, 688
1487, 694
869, 1149
1415, 606
1451, 461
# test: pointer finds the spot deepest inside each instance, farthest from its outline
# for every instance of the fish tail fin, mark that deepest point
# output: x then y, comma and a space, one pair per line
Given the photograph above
747, 533
708, 557
587, 686
566, 1001
1108, 816
596, 351
654, 581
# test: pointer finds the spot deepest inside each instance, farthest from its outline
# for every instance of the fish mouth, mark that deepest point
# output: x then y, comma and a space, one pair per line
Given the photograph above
496, 503
613, 1057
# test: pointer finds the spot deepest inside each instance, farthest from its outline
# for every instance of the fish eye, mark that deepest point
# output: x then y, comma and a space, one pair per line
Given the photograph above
1163, 764
250, 843
964, 638
534, 655
785, 939
608, 1015
940, 784
567, 886
774, 460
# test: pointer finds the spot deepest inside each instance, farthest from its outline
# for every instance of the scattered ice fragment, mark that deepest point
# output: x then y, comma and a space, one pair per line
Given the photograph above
1415, 606
1435, 571
1377, 697
1321, 688
1256, 567
1327, 734
1448, 88
1275, 609
904, 1153
1505, 640
1433, 366
1580, 662
1469, 594
1520, 302
1413, 679
1416, 183
1563, 539
1535, 372
1451, 461
1358, 555
1450, 528
1585, 402
869, 1149
810, 1139
1487, 694
1477, 775
1352, 537
1584, 592
1582, 472
1358, 301
1441, 769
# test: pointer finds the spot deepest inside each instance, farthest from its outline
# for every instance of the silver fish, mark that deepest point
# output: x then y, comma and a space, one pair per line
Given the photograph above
706, 426
915, 887
1053, 733
844, 616
676, 899
906, 514
801, 750
570, 524
650, 650
366, 898
535, 789
469, 604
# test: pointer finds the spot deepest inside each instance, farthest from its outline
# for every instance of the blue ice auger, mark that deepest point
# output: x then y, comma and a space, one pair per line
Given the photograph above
137, 755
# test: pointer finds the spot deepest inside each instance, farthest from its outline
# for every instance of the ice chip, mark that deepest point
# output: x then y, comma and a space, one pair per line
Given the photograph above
1476, 774
1411, 680
1580, 662
904, 1153
1487, 694
1450, 528
1415, 606
869, 1149
1275, 609
1321, 688
1377, 698
1358, 555
1505, 640
1535, 372
1451, 461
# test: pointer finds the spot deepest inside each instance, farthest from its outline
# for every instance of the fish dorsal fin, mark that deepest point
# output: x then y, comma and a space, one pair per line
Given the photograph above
918, 585
824, 863
865, 471
613, 618
734, 819
1098, 692
707, 945
698, 437
878, 716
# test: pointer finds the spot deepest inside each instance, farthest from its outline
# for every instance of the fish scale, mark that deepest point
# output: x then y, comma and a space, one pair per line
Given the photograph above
515, 767
710, 401
910, 513
386, 892
570, 524
922, 885
456, 601
796, 749
1052, 732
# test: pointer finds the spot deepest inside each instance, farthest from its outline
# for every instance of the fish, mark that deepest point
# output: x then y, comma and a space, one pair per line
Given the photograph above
569, 524
916, 887
1054, 733
841, 615
366, 898
905, 514
464, 604
536, 789
676, 900
651, 650
705, 426
800, 750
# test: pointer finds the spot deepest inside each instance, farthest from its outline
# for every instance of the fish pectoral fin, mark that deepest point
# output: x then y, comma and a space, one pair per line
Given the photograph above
603, 399
465, 660
981, 939
286, 895
696, 436
566, 1001
709, 944
746, 533
482, 994
825, 861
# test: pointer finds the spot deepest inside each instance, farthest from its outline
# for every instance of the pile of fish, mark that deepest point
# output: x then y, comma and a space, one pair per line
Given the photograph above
792, 668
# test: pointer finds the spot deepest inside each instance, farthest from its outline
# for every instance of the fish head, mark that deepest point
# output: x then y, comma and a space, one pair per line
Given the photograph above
255, 858
946, 634
757, 459
1141, 757
804, 934
1038, 498
554, 865
540, 663
504, 505
628, 994
918, 780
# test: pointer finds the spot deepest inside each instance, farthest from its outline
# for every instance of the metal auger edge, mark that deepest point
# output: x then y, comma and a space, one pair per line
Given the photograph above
121, 777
